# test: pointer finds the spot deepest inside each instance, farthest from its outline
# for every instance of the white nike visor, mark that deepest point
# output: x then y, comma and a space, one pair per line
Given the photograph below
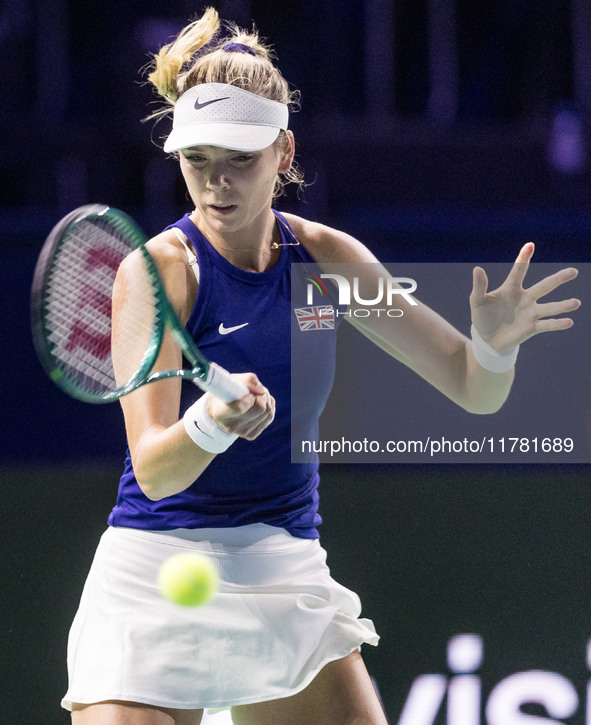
217, 114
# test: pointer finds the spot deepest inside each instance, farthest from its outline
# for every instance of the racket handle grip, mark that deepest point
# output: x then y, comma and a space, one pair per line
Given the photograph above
220, 383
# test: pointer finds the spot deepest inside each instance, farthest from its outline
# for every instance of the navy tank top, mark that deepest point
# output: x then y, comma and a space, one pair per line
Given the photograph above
253, 481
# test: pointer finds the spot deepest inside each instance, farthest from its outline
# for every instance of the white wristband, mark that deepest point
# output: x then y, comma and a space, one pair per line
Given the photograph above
203, 430
489, 359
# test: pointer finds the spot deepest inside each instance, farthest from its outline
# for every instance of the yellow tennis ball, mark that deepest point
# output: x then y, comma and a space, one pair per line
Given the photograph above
189, 579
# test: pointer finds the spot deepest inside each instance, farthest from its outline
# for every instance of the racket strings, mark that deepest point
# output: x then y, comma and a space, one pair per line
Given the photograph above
136, 316
78, 305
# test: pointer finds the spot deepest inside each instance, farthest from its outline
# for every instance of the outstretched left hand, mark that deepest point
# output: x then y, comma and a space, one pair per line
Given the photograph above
511, 314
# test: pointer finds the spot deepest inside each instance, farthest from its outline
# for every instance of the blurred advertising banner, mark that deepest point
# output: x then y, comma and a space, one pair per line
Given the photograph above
520, 698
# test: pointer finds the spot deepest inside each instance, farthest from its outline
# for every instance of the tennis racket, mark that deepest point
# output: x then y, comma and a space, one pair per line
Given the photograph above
99, 312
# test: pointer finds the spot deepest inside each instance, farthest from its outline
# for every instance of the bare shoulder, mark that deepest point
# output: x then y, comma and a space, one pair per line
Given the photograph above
173, 266
166, 249
326, 244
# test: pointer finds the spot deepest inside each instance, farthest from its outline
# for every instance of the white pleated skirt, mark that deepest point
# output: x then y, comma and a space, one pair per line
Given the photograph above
276, 620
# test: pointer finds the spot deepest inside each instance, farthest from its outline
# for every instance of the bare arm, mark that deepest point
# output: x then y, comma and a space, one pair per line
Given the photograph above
425, 342
165, 460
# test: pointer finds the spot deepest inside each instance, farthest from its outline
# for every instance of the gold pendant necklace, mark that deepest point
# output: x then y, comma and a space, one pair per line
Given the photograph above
274, 245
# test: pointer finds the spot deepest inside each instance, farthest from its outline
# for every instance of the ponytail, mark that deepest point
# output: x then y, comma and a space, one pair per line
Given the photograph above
170, 60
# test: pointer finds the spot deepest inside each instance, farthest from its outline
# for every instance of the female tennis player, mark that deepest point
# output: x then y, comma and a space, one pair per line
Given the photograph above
280, 642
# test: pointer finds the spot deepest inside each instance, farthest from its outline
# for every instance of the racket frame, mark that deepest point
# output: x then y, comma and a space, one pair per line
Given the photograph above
199, 373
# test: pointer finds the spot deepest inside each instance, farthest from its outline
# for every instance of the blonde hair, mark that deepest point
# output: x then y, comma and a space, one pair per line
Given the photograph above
197, 56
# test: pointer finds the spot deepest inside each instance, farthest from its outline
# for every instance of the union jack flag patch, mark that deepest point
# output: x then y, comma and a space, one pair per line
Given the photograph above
320, 317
